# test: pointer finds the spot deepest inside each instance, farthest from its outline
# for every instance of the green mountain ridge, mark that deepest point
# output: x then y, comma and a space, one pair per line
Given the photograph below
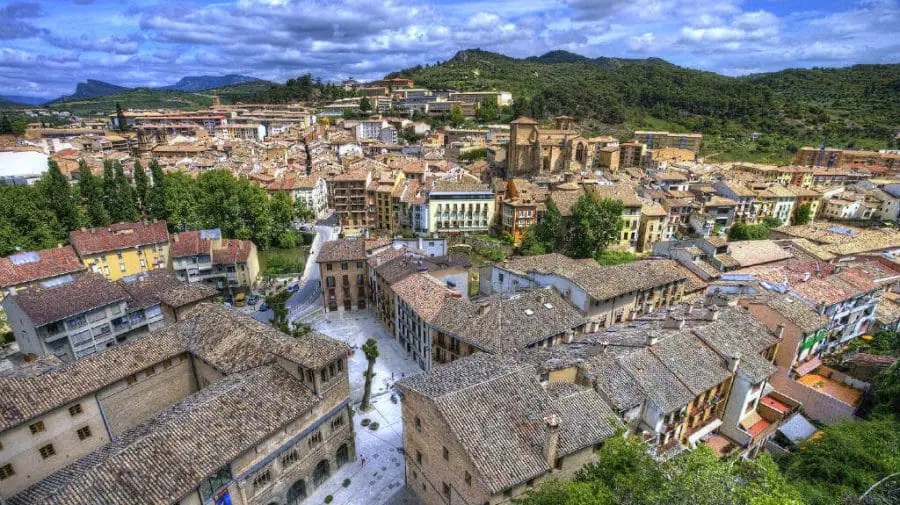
849, 107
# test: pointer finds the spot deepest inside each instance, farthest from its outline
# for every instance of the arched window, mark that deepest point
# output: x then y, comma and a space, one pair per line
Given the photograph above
342, 456
296, 493
321, 473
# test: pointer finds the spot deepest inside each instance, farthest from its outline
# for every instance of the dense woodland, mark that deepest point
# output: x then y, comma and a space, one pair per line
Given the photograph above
850, 107
40, 216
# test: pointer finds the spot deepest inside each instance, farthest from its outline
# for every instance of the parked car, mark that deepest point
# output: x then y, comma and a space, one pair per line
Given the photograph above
293, 288
253, 299
264, 307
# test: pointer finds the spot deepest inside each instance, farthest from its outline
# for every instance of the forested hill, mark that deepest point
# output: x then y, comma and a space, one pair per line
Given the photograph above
856, 106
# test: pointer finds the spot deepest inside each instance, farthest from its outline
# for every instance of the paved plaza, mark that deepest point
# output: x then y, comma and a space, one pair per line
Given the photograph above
381, 480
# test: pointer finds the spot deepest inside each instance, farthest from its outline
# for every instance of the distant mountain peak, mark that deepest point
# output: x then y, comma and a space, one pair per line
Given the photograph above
558, 56
93, 88
194, 83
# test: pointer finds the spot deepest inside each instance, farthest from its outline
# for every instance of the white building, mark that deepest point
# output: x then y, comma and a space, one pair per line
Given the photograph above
18, 168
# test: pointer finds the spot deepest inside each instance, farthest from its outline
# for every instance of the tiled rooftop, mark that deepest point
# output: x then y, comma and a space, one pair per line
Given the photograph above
118, 236
27, 267
342, 250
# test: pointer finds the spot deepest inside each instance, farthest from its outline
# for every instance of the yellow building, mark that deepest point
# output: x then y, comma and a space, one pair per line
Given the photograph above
805, 195
123, 249
652, 226
631, 210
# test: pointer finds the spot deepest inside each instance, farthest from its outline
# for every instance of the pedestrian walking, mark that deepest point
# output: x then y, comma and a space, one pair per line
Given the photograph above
362, 461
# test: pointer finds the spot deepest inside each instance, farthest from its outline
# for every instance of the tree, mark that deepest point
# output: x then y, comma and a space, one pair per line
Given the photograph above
58, 194
302, 210
120, 117
27, 222
157, 193
488, 110
595, 225
803, 213
370, 349
457, 118
741, 231
277, 304
124, 206
365, 105
90, 187
141, 185
846, 460
772, 222
549, 232
624, 473
282, 211
530, 245
179, 200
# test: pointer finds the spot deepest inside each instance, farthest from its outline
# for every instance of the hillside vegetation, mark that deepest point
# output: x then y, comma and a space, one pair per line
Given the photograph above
848, 107
140, 98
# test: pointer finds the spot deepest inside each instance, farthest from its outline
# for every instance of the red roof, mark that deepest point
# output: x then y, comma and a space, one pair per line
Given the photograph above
232, 251
118, 236
758, 427
188, 243
45, 265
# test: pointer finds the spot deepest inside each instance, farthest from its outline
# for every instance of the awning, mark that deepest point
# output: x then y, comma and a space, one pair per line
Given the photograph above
804, 368
702, 432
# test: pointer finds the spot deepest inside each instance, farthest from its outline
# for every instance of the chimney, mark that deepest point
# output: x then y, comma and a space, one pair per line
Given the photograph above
652, 339
734, 362
552, 443
541, 298
690, 309
484, 308
779, 331
713, 313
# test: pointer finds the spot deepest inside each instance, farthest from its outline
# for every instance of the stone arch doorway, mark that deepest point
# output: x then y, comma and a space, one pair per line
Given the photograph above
297, 492
321, 473
342, 455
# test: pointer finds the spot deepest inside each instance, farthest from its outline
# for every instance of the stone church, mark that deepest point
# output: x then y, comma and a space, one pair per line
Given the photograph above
535, 151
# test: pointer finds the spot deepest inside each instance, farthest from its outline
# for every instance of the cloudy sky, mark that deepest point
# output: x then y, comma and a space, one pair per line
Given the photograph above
47, 46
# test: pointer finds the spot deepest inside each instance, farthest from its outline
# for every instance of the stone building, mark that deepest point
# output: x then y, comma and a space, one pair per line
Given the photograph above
216, 408
535, 151
666, 140
486, 429
342, 269
606, 295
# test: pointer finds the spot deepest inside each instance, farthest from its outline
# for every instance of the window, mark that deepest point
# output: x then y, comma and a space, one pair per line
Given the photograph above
315, 438
262, 480
6, 471
131, 379
329, 267
545, 376
329, 281
446, 489
37, 427
359, 264
345, 265
309, 376
340, 365
331, 370
418, 424
167, 364
290, 458
419, 457
324, 375
446, 454
84, 433
74, 410
337, 422
150, 370
468, 478
47, 451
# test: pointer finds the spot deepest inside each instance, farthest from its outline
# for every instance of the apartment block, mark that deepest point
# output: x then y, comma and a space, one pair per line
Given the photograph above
123, 249
349, 198
664, 140
204, 256
343, 274
460, 205
44, 268
90, 314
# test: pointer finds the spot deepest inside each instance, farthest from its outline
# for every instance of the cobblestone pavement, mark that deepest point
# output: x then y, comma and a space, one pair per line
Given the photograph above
381, 481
